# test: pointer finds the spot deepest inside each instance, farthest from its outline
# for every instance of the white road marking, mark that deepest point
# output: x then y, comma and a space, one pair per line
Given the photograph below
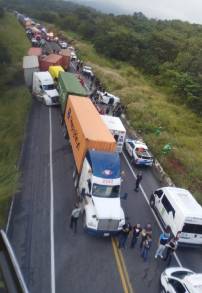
147, 201
51, 208
9, 215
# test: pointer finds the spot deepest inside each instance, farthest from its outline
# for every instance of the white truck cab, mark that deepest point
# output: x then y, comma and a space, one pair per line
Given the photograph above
43, 88
103, 212
178, 209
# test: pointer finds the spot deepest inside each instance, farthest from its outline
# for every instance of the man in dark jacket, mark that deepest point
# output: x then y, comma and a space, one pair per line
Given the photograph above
138, 180
124, 235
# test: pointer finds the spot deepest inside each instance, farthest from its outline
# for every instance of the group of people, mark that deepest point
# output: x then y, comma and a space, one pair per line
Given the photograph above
138, 232
166, 246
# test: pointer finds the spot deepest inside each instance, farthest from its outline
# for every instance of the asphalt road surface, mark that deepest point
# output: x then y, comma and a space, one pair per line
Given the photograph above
51, 256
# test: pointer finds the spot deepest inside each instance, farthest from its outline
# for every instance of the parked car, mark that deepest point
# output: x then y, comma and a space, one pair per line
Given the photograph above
70, 48
87, 70
62, 44
138, 150
108, 99
73, 56
35, 43
179, 279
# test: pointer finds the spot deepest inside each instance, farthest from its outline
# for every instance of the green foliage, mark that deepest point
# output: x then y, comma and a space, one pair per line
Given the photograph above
15, 100
145, 43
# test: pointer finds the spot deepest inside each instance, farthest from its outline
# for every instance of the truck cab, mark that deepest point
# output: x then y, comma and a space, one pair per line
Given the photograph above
99, 183
43, 88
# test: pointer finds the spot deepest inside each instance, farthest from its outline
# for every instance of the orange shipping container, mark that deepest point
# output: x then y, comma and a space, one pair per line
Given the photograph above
86, 129
46, 61
34, 52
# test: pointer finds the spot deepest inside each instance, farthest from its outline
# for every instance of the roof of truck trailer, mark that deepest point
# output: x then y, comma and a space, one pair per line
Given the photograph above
91, 123
30, 62
185, 201
72, 84
109, 162
113, 123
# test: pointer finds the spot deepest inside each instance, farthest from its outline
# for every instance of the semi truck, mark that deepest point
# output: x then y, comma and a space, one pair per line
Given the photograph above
97, 167
30, 65
43, 88
115, 126
69, 84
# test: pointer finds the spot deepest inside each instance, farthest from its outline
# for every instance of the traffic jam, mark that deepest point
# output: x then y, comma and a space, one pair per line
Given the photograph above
93, 120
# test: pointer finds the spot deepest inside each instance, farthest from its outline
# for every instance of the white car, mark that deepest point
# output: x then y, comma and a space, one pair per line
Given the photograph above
180, 280
62, 44
87, 70
73, 56
107, 98
139, 152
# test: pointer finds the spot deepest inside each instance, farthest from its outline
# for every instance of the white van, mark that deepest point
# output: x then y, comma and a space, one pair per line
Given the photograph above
43, 88
178, 209
115, 126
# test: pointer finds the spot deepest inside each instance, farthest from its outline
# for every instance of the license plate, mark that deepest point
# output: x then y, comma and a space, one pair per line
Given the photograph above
106, 234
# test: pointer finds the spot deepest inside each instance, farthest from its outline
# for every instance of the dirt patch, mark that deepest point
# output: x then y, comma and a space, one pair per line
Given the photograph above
176, 165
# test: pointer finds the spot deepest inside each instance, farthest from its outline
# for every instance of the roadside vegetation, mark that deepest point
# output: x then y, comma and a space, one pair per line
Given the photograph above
15, 101
149, 109
154, 66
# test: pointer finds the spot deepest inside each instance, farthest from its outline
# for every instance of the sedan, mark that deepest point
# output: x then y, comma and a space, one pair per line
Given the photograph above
180, 280
139, 152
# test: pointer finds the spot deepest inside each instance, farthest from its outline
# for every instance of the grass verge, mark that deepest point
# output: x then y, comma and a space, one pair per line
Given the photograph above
15, 102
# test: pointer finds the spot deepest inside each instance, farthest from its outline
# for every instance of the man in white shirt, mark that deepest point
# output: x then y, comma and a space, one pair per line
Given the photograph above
74, 217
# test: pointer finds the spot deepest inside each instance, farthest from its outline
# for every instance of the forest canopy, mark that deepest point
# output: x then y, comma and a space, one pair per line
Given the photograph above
169, 51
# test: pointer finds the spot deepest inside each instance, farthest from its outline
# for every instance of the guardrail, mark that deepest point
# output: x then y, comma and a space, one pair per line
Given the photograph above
13, 280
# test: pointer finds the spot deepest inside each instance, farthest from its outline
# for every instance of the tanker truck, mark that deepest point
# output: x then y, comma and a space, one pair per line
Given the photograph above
97, 167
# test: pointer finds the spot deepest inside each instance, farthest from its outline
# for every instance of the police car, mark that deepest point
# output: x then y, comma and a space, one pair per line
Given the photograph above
139, 152
179, 279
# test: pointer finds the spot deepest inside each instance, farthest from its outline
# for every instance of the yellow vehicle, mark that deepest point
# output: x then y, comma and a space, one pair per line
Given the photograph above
54, 71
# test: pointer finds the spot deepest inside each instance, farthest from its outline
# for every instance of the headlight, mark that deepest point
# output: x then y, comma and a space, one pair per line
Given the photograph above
92, 224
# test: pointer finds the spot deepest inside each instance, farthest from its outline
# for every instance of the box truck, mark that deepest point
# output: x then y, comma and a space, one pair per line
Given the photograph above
30, 65
52, 59
97, 172
54, 71
178, 209
115, 126
69, 84
43, 88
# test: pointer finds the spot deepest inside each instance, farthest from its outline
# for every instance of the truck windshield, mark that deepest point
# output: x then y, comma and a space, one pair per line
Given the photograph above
48, 87
105, 191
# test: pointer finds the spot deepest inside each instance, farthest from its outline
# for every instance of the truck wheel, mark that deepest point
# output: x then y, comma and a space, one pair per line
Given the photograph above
84, 220
152, 201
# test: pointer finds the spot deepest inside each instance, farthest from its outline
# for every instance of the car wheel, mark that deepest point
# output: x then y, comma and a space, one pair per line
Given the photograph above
152, 201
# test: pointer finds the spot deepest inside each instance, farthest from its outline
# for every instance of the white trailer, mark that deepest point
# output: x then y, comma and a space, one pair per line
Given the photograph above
30, 65
115, 126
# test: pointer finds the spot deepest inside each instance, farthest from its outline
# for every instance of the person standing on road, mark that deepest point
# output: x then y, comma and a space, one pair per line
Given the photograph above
136, 233
74, 217
146, 247
163, 240
171, 247
138, 180
124, 235
146, 231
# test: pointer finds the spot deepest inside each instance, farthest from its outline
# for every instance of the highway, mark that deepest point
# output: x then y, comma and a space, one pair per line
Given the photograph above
53, 258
